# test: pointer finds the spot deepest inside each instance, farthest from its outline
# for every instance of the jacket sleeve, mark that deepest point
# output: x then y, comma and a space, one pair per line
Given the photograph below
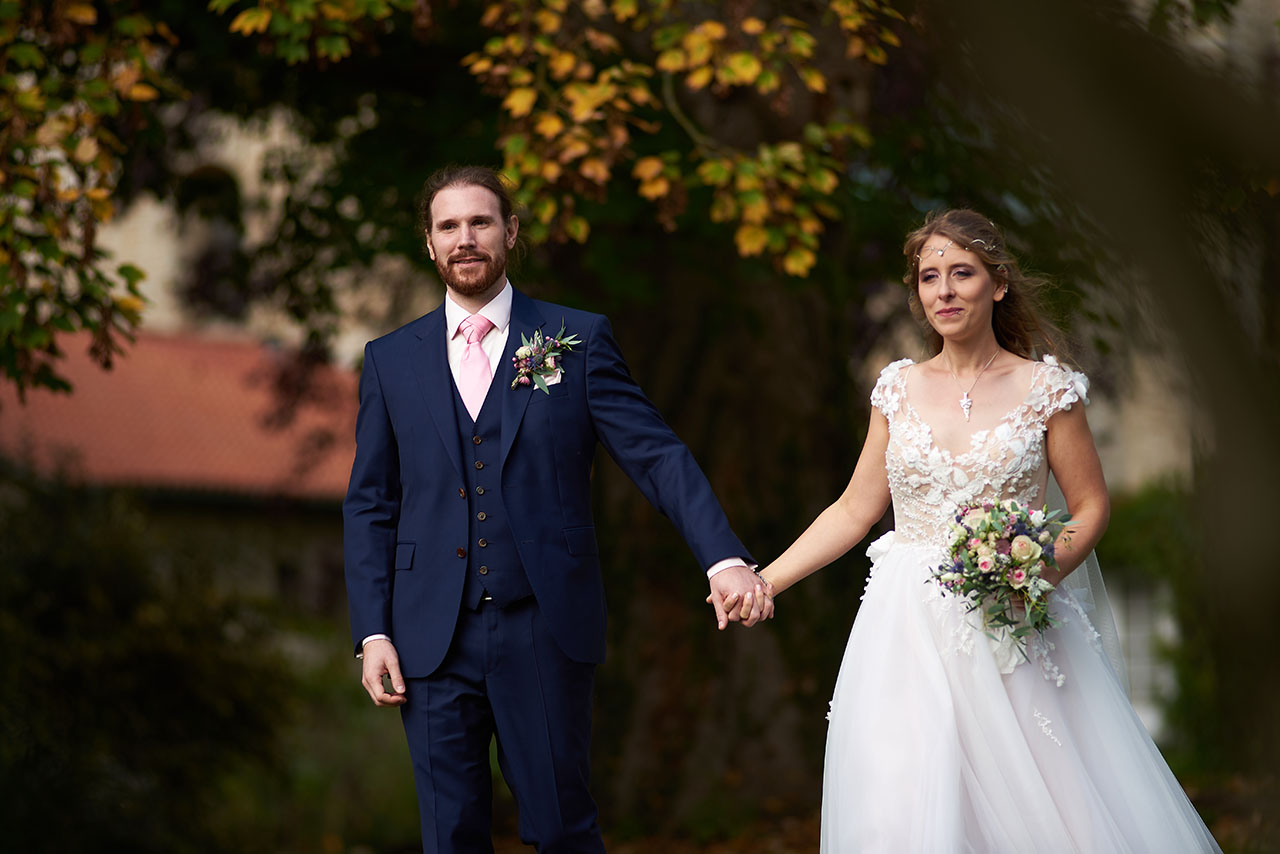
648, 450
371, 511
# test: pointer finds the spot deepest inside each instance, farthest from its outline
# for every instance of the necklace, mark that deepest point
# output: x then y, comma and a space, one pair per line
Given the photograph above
966, 402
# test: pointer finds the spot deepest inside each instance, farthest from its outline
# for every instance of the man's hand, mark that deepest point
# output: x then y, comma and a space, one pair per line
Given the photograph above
738, 594
380, 660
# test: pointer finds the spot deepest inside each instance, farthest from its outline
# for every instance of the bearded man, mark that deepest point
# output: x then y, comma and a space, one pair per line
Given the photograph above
471, 558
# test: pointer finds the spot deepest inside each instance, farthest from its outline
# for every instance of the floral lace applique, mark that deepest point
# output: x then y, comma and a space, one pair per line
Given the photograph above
928, 483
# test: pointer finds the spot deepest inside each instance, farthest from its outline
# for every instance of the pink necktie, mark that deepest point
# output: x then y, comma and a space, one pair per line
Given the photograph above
474, 373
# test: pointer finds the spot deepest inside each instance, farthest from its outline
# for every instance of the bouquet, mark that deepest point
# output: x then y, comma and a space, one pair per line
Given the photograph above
997, 561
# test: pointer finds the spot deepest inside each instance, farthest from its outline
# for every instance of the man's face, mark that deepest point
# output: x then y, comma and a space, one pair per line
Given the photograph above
468, 239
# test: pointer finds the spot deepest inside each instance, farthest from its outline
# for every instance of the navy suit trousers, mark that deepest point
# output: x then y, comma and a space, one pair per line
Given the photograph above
504, 674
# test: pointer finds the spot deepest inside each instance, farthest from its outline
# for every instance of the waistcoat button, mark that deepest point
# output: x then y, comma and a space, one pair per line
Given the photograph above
484, 570
479, 465
476, 439
483, 543
462, 552
482, 516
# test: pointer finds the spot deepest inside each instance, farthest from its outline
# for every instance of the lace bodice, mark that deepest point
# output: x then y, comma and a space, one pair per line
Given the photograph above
928, 483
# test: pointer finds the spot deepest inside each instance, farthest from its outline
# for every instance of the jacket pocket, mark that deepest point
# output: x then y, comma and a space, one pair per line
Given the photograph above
404, 556
581, 541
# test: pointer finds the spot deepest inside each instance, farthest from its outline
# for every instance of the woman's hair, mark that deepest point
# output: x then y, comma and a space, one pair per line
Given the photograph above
1018, 319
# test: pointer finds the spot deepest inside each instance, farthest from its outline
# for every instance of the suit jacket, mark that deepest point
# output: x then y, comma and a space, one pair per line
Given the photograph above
404, 522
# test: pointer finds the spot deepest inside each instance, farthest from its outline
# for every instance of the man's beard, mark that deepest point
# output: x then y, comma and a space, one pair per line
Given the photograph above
473, 280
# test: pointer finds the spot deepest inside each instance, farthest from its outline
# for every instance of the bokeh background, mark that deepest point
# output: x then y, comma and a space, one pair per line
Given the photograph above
208, 211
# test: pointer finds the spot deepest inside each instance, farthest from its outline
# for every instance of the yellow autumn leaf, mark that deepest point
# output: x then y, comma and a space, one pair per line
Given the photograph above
577, 228
82, 13
130, 306
723, 208
824, 181
799, 261
624, 9
767, 82
573, 149
755, 210
551, 170
86, 150
655, 189
103, 210
519, 102
671, 60
545, 210
890, 38
69, 195
813, 78
548, 125
99, 194
601, 42
251, 21
752, 26
713, 29
743, 67
647, 168
142, 92
547, 21
640, 95
697, 47
699, 79
751, 240
562, 64
53, 130
877, 55
594, 169
481, 65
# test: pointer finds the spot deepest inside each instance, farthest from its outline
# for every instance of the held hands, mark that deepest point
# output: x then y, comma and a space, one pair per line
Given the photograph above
380, 660
739, 595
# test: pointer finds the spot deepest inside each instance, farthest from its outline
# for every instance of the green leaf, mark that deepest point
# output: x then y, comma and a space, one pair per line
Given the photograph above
131, 274
541, 383
26, 55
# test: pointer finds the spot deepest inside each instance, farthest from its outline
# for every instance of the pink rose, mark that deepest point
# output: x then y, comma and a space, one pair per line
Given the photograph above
1018, 578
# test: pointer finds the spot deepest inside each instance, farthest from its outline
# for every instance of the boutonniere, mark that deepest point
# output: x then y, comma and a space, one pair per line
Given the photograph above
538, 360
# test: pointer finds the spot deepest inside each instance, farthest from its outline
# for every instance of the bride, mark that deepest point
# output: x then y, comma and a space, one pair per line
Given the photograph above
939, 740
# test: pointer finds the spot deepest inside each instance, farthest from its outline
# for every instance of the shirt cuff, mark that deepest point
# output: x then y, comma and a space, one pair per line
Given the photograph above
360, 654
722, 565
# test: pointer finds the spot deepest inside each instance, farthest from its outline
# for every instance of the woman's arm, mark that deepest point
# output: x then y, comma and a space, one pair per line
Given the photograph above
1073, 459
842, 525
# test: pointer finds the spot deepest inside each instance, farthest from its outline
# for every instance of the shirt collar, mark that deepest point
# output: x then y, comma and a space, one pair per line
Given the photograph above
497, 310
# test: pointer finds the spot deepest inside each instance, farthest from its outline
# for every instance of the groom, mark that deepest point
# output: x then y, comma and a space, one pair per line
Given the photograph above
471, 562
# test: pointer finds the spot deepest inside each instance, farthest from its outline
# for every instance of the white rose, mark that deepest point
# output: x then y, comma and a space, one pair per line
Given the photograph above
1024, 549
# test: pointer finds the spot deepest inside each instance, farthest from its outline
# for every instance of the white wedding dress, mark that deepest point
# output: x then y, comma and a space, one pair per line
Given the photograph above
931, 748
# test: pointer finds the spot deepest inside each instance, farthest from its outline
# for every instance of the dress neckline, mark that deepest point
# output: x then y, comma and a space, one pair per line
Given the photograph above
976, 438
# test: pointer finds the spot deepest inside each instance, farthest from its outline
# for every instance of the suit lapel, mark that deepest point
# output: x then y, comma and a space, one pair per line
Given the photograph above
525, 319
431, 369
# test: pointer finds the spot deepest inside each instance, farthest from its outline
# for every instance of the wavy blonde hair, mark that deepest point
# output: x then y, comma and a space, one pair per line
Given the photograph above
1018, 319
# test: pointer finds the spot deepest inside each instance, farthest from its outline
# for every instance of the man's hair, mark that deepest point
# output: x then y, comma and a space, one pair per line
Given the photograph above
455, 176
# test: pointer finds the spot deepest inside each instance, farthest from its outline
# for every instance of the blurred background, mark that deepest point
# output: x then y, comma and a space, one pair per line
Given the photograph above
208, 211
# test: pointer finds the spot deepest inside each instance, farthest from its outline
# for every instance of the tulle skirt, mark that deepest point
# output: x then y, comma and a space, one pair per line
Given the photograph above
932, 749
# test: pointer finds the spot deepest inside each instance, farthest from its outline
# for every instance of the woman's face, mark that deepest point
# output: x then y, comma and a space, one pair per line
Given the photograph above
955, 289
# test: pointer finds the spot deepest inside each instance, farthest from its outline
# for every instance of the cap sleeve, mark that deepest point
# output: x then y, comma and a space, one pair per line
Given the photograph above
887, 395
1059, 389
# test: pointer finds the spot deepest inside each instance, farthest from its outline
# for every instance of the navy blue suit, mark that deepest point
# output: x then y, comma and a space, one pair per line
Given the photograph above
444, 511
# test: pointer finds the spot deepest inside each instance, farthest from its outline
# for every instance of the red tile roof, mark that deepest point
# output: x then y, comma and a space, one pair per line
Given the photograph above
186, 412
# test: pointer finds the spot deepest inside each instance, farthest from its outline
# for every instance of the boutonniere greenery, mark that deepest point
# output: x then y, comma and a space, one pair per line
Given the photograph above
539, 357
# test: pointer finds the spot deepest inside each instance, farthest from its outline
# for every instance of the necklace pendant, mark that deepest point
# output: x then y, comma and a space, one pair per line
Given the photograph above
965, 404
